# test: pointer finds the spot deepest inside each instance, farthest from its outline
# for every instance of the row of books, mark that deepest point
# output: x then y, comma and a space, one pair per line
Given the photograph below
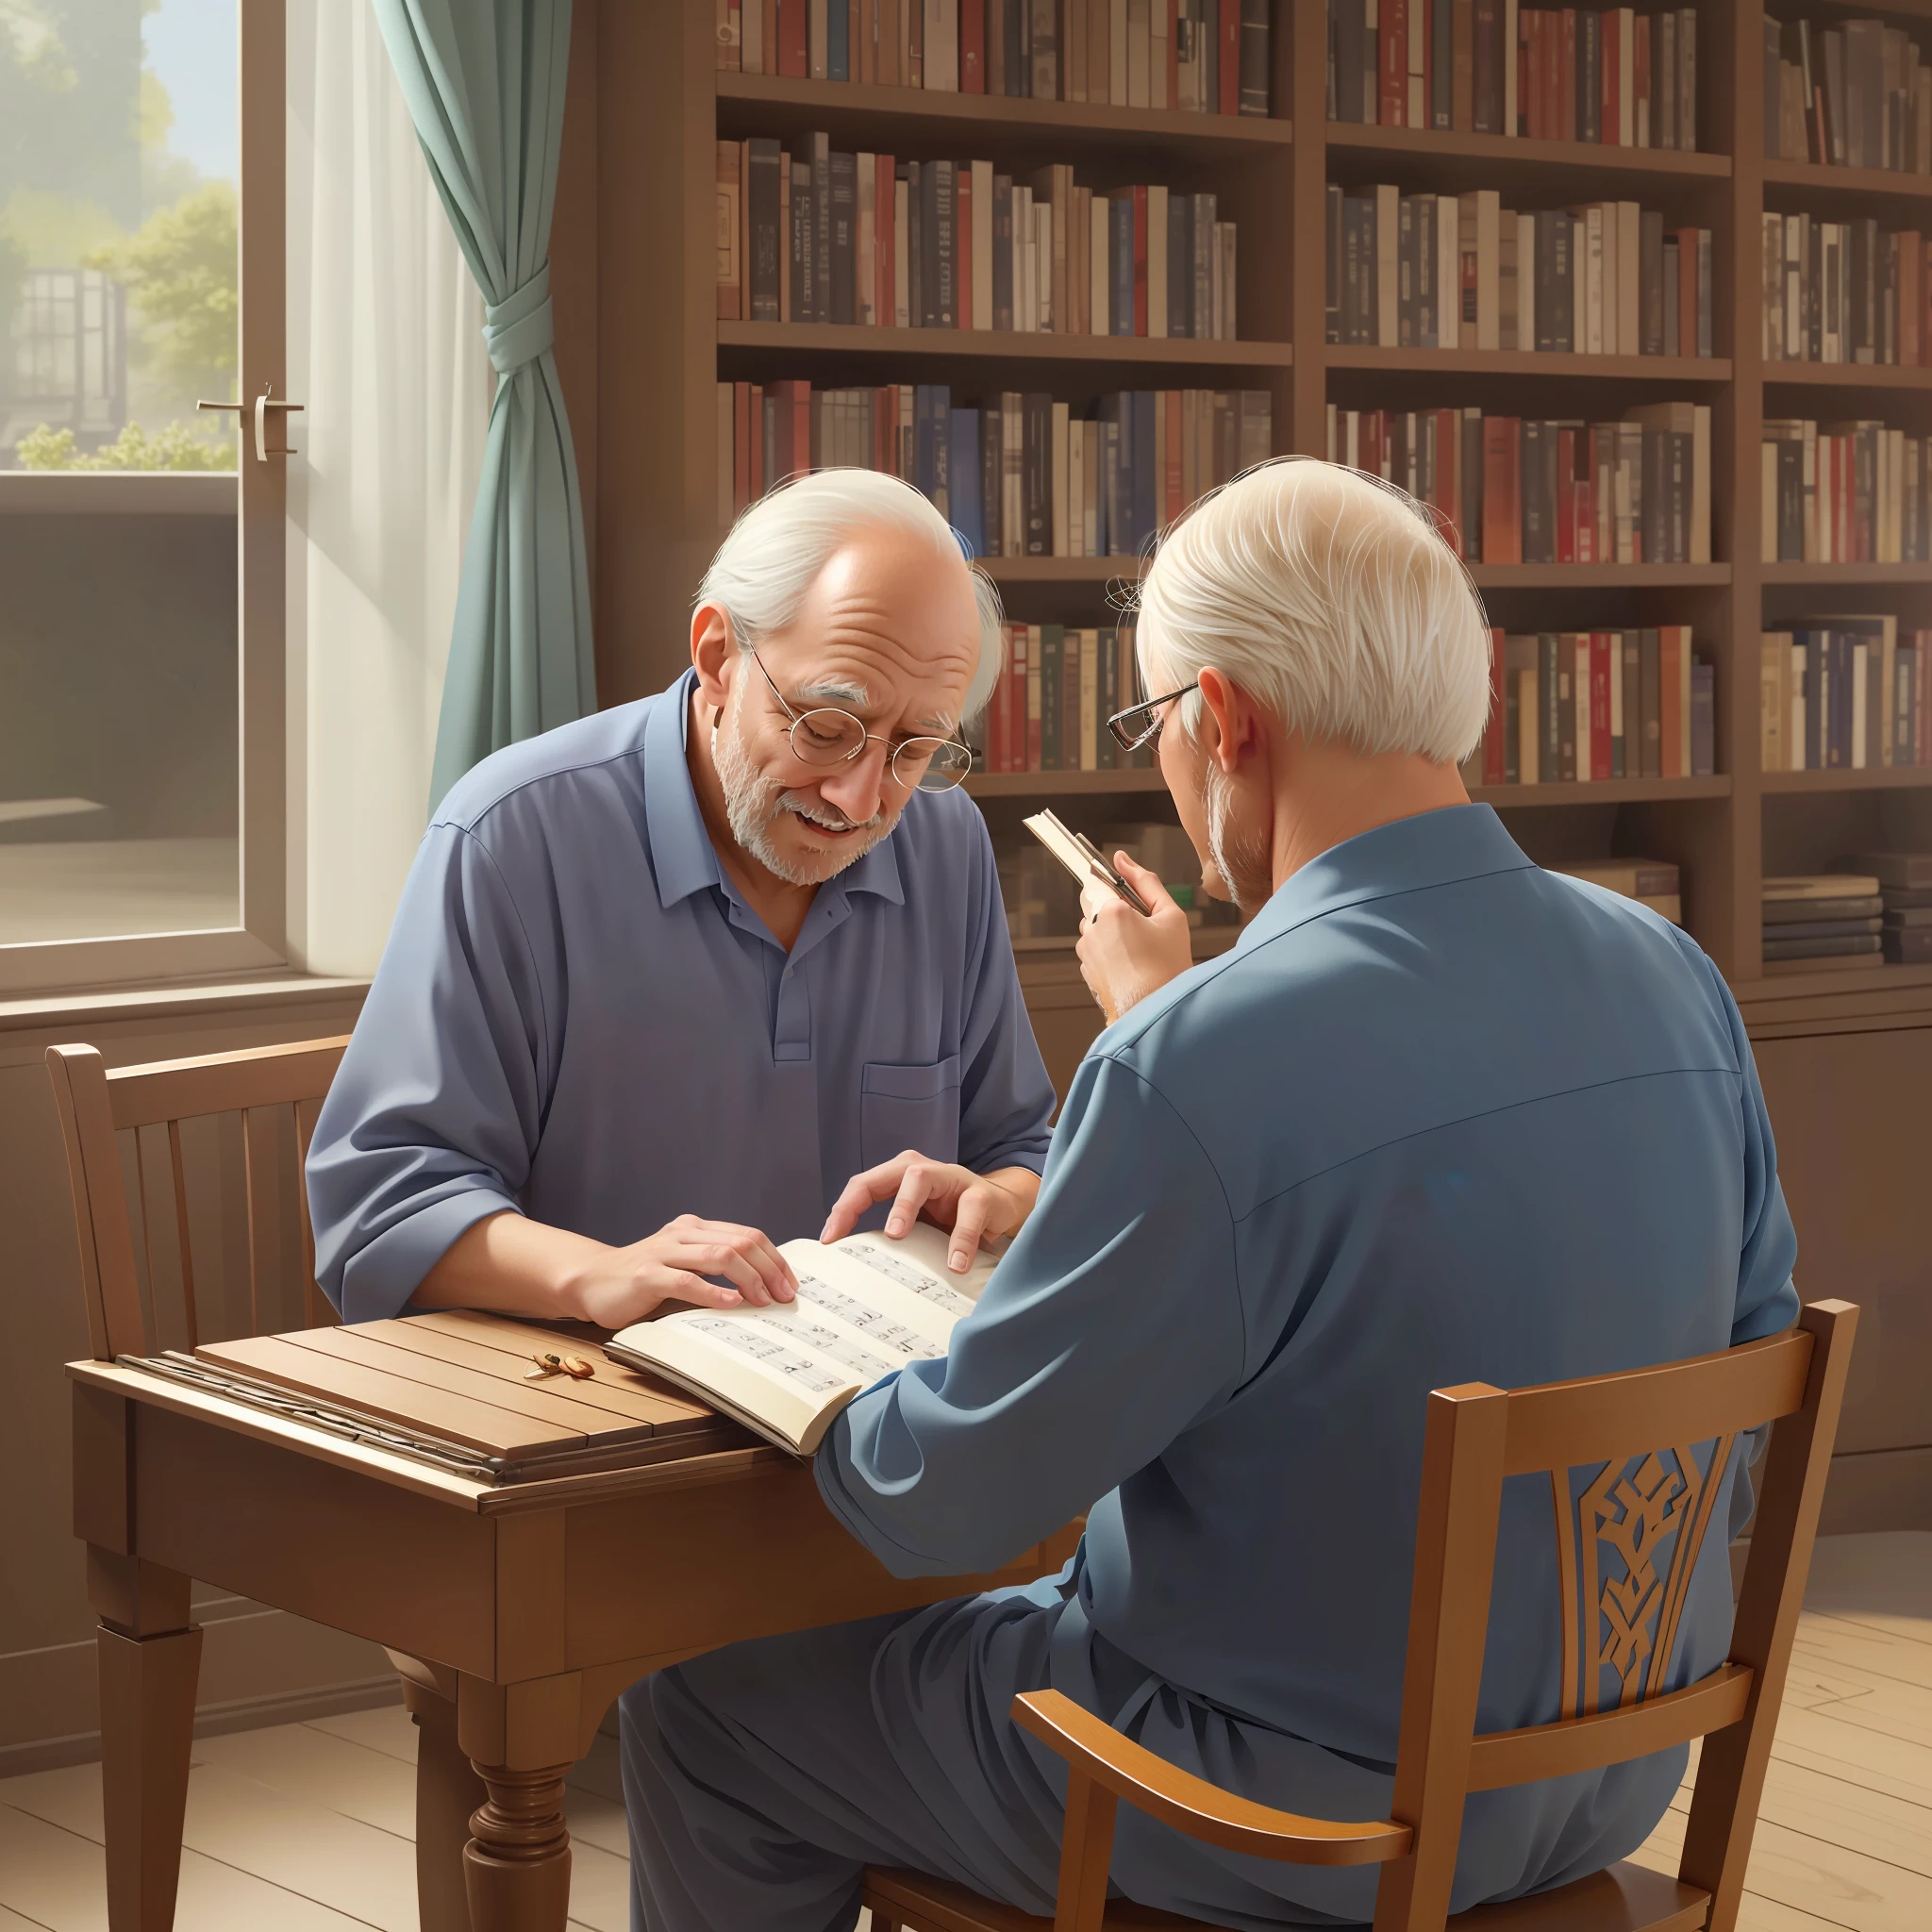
814, 235
1844, 292
1049, 710
1586, 707
1204, 56
1873, 908
1519, 490
1616, 77
1855, 96
1844, 492
1844, 694
1462, 272
1020, 476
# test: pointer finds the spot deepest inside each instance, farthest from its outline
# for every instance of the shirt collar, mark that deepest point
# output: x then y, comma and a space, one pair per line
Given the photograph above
681, 853
1433, 848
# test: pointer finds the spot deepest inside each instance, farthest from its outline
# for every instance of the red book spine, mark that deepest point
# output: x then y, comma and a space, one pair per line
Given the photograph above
1641, 123
1566, 497
1609, 95
1566, 75
794, 40
972, 46
1428, 8
1174, 72
1141, 259
1392, 46
963, 245
1496, 730
1229, 64
1599, 705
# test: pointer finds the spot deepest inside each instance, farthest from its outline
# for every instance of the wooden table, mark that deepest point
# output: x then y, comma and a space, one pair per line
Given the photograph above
516, 1613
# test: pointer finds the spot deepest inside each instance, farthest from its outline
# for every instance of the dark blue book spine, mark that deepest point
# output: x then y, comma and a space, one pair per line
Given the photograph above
1120, 265
1147, 484
965, 469
837, 43
1702, 721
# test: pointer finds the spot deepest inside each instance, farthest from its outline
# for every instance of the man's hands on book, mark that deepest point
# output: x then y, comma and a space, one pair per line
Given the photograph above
972, 1205
1126, 955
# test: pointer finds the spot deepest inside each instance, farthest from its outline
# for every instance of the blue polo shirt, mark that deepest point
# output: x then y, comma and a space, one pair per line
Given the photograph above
1439, 1116
578, 1017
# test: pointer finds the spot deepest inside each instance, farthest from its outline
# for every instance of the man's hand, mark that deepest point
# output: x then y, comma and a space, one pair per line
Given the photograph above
1126, 955
520, 1267
972, 1205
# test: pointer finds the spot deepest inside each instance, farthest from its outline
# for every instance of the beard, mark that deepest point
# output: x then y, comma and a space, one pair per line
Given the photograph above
754, 804
1240, 853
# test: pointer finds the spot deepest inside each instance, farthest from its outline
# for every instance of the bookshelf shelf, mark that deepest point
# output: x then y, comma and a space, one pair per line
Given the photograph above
1676, 370
1596, 576
1846, 375
1347, 137
1601, 791
1879, 184
1001, 345
770, 104
1847, 572
1062, 784
1869, 778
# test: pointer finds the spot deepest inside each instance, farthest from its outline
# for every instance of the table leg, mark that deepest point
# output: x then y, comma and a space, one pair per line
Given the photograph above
516, 1867
447, 1791
149, 1663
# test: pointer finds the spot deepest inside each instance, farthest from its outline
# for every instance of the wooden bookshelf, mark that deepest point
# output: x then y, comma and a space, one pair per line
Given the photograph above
963, 345
1674, 370
1869, 778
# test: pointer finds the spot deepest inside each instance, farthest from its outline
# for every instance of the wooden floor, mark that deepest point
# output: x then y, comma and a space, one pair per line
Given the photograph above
306, 1827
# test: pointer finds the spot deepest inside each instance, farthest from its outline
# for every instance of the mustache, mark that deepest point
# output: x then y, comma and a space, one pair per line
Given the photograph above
820, 814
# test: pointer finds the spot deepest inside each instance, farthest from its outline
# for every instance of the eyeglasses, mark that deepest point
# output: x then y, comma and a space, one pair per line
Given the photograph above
1138, 725
828, 737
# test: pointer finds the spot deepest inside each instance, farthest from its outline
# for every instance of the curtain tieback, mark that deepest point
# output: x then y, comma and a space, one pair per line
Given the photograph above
519, 328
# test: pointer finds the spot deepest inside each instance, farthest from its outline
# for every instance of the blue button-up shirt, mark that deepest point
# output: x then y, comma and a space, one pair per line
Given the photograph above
1439, 1116
579, 1017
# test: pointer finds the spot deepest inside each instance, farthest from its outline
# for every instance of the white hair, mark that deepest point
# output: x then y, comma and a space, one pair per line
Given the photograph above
780, 543
1330, 597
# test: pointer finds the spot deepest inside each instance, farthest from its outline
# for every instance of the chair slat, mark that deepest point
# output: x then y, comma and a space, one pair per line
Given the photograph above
180, 1178
1610, 1736
223, 1082
109, 1284
1565, 1423
259, 1127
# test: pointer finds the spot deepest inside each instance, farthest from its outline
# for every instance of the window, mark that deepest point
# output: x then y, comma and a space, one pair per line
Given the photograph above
140, 537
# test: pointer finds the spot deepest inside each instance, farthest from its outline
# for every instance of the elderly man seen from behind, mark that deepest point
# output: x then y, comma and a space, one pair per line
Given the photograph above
670, 985
1439, 1116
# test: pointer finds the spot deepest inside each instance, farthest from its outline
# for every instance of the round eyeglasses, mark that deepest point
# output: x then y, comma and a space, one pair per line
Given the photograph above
828, 737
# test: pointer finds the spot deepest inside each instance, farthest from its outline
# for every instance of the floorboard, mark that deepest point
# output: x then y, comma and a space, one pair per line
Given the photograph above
308, 1827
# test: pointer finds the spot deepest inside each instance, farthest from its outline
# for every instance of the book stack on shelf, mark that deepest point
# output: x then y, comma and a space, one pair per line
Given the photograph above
1846, 694
1586, 707
1059, 685
1207, 56
1449, 272
1020, 476
821, 235
1905, 892
1515, 490
1844, 292
1653, 882
1616, 77
1855, 96
1844, 492
1813, 916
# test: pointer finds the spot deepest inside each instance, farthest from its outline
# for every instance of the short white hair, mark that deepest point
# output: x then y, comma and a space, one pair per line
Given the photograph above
780, 543
1331, 599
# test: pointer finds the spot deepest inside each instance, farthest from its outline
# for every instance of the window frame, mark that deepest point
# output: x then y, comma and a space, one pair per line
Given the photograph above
258, 942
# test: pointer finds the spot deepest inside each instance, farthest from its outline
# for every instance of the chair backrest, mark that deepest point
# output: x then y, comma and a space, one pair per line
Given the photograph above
1635, 1437
122, 1130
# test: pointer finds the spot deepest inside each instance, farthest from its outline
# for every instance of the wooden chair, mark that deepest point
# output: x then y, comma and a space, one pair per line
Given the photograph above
143, 1299
1477, 1436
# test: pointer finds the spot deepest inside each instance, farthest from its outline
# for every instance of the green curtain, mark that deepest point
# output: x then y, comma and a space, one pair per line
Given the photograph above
484, 80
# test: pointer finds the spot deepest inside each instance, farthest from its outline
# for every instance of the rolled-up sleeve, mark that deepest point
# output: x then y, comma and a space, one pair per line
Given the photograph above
433, 1120
1006, 1099
1046, 1401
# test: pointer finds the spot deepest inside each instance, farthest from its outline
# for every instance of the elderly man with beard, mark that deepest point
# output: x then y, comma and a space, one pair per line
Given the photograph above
1439, 1116
696, 975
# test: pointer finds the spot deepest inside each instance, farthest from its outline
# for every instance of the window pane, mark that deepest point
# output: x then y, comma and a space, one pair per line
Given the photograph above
118, 306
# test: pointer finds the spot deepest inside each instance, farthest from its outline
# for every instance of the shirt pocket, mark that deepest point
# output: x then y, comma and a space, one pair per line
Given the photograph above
915, 1106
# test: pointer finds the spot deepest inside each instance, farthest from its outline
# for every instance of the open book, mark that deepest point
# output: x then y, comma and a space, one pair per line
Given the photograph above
866, 1306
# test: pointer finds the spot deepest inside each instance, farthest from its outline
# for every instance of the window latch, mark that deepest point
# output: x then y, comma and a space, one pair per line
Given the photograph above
271, 422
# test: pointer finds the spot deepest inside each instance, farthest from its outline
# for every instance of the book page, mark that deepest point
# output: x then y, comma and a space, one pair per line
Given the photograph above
866, 1306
